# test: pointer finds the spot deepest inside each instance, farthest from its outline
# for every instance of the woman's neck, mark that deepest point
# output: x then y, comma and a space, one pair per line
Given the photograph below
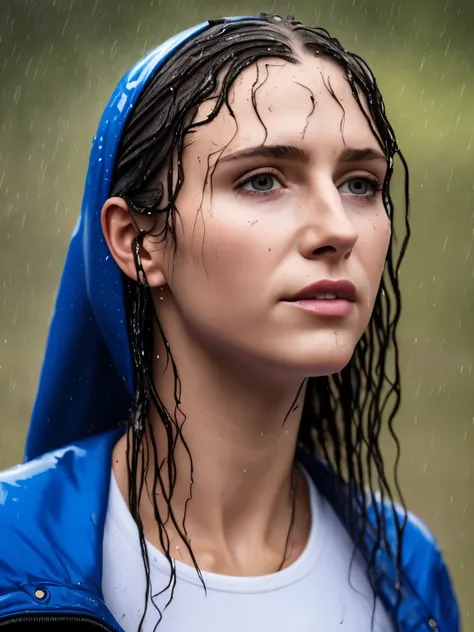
236, 486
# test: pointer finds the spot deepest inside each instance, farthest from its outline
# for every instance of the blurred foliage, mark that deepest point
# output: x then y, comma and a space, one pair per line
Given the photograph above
60, 60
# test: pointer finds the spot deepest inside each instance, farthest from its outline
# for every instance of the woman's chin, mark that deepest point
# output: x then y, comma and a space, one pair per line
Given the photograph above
323, 355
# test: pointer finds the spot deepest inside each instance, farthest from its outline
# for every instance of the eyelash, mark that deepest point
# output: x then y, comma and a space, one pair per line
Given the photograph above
374, 181
263, 172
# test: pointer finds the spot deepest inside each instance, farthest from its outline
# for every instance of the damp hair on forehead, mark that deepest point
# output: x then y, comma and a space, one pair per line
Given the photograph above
343, 414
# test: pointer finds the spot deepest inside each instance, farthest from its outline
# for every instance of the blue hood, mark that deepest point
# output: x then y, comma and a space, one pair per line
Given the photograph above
86, 383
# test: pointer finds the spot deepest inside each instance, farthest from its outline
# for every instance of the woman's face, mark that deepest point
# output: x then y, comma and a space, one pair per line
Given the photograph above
275, 199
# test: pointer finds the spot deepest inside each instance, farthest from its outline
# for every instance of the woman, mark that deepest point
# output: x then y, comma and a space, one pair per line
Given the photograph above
204, 449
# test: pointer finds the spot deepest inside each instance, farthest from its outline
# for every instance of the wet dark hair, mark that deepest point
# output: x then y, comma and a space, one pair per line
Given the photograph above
343, 414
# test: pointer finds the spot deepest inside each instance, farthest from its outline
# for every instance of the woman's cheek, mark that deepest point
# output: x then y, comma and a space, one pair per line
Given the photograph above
373, 227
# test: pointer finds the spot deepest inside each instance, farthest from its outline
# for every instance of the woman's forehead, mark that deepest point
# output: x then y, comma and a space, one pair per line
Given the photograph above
278, 102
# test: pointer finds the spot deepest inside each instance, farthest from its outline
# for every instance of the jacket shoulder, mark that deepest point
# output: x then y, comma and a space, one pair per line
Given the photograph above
27, 489
52, 512
424, 566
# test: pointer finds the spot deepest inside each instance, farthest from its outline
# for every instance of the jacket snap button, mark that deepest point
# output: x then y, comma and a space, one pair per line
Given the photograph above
40, 594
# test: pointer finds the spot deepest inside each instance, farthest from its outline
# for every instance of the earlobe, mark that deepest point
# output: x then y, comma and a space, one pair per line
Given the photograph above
120, 229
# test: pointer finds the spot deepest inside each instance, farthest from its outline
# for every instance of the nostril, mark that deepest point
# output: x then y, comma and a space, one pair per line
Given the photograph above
324, 250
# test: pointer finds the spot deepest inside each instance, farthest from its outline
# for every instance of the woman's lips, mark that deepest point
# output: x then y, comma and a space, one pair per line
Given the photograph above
326, 298
325, 306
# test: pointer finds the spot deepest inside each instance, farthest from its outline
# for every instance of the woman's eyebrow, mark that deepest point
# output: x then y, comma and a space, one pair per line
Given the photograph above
283, 152
291, 152
358, 155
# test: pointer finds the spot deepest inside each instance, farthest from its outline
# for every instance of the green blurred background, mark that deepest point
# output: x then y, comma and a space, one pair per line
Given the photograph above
59, 61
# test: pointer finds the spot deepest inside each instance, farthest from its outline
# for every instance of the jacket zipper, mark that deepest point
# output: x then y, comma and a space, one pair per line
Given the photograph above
72, 619
53, 619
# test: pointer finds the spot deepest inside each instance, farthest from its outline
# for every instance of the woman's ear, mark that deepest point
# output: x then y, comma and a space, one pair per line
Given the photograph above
120, 228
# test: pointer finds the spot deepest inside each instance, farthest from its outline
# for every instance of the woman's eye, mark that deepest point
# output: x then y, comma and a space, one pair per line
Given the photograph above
261, 183
359, 186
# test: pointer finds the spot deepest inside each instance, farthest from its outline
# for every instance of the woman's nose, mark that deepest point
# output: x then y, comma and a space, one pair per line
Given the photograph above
330, 231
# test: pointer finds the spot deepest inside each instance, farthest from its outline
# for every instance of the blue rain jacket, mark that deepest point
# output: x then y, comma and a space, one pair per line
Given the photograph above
52, 508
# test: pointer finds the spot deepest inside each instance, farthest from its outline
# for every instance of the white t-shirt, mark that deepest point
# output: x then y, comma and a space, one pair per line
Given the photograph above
311, 595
